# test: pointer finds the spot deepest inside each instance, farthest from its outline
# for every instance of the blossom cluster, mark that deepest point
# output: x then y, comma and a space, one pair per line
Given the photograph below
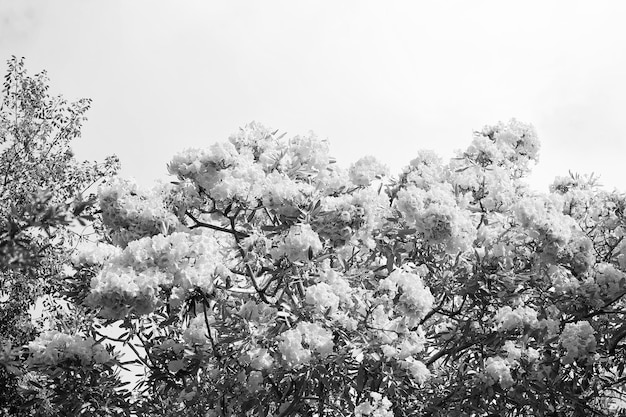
299, 241
197, 332
507, 318
131, 213
335, 298
414, 300
316, 338
436, 214
175, 264
424, 170
366, 170
52, 348
512, 145
352, 217
255, 166
378, 406
579, 341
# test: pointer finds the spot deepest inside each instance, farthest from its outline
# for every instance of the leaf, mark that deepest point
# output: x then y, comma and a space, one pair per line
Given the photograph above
171, 320
405, 232
249, 405
176, 365
361, 377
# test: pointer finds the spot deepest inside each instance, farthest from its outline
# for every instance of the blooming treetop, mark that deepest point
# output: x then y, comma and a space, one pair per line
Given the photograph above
268, 281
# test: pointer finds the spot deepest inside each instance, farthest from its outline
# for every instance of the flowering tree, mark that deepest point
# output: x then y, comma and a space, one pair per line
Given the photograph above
267, 281
44, 196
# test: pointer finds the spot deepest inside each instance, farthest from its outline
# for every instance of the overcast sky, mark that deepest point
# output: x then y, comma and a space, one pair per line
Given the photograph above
381, 78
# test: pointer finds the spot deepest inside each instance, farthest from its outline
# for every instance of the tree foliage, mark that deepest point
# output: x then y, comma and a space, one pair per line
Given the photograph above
43, 200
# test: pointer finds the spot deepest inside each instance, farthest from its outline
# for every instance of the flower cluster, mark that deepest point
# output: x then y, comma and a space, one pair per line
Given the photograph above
352, 218
256, 167
423, 171
299, 244
316, 338
543, 216
257, 358
611, 281
498, 369
333, 297
365, 170
510, 319
52, 348
579, 341
379, 406
134, 279
414, 300
131, 213
512, 145
416, 369
94, 254
436, 215
490, 190
197, 333
284, 196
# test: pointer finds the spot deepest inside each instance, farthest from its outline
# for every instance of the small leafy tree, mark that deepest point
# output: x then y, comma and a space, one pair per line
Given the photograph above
43, 203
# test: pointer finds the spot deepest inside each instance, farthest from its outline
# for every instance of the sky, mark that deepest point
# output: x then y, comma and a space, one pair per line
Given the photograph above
374, 78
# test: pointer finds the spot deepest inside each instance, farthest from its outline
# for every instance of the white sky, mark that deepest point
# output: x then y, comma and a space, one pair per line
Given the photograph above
381, 78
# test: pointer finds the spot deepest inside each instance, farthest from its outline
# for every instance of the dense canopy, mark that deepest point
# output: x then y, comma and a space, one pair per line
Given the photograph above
267, 280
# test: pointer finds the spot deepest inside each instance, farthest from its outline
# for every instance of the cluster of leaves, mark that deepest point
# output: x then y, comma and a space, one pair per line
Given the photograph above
45, 206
